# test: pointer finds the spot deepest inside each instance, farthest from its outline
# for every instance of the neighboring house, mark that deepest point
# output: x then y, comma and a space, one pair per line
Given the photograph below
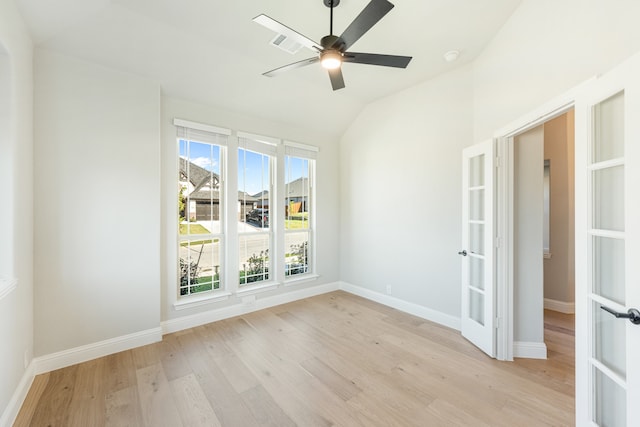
202, 194
297, 196
200, 191
262, 199
296, 199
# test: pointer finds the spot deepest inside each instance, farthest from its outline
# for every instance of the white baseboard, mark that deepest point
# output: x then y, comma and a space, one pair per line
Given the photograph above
530, 350
10, 413
560, 306
186, 322
405, 306
83, 353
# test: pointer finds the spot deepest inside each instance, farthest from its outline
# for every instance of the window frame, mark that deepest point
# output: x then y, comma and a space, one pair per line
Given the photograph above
188, 133
230, 231
307, 153
267, 147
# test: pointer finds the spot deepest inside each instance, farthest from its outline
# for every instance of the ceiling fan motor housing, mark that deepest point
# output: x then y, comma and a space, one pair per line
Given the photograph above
328, 3
333, 42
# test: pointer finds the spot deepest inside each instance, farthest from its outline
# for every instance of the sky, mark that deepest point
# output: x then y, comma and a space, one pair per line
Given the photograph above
253, 168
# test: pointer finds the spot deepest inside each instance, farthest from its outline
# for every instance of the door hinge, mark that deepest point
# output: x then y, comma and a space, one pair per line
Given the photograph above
498, 242
497, 323
498, 162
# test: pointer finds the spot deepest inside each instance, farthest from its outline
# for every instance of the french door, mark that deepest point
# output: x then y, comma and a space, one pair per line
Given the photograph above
478, 312
608, 249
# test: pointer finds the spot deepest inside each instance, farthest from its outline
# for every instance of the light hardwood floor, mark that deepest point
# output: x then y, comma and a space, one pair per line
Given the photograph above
335, 359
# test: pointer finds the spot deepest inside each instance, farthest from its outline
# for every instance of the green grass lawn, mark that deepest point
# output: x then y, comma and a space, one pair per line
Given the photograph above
205, 283
193, 229
295, 224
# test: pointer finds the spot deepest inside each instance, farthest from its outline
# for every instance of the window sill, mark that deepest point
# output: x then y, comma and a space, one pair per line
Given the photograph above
302, 279
198, 300
255, 289
7, 285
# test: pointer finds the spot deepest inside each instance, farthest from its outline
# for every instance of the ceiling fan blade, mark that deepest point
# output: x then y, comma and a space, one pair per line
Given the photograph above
376, 59
370, 15
335, 75
279, 28
293, 66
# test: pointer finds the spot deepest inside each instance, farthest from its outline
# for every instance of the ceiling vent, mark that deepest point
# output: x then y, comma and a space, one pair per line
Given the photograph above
287, 44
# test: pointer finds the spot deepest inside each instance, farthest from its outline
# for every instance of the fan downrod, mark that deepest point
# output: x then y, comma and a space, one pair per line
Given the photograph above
328, 2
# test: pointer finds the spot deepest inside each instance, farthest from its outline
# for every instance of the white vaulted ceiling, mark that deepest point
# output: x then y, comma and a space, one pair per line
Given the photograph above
210, 51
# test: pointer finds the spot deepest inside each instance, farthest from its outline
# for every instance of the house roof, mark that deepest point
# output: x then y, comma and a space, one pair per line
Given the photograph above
198, 176
211, 52
298, 188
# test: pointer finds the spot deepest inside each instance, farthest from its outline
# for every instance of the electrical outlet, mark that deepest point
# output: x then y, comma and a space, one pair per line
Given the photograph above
388, 289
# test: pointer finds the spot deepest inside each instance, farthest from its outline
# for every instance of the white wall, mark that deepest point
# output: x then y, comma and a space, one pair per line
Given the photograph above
16, 185
97, 199
400, 160
400, 166
327, 259
6, 166
528, 324
546, 48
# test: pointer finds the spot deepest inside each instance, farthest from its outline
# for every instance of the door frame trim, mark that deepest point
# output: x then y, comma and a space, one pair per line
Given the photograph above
504, 199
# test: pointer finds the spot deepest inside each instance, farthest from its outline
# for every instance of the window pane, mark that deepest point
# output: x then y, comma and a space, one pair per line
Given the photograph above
253, 186
609, 129
199, 187
476, 171
476, 238
199, 266
476, 306
610, 341
609, 268
254, 234
608, 198
296, 253
476, 272
297, 193
610, 401
199, 216
476, 204
254, 258
546, 197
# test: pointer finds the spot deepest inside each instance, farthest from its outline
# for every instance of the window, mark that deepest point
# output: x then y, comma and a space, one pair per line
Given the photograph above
256, 161
298, 209
245, 223
200, 207
546, 198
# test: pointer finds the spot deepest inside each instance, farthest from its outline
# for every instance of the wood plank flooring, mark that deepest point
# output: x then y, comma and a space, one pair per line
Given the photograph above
331, 360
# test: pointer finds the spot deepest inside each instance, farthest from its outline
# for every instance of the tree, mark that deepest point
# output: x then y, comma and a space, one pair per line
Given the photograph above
181, 205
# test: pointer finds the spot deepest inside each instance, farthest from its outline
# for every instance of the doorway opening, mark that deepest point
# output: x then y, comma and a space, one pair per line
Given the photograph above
543, 234
535, 218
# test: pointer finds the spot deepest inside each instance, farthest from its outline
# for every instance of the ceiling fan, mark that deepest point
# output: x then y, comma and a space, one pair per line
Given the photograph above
332, 50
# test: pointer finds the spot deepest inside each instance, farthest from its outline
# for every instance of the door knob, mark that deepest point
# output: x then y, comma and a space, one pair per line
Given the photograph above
463, 253
632, 314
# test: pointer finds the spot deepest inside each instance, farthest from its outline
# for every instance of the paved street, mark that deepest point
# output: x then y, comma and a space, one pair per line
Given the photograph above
209, 253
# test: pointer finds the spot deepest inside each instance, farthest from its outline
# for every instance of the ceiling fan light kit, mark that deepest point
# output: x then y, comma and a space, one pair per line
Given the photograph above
331, 59
332, 51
